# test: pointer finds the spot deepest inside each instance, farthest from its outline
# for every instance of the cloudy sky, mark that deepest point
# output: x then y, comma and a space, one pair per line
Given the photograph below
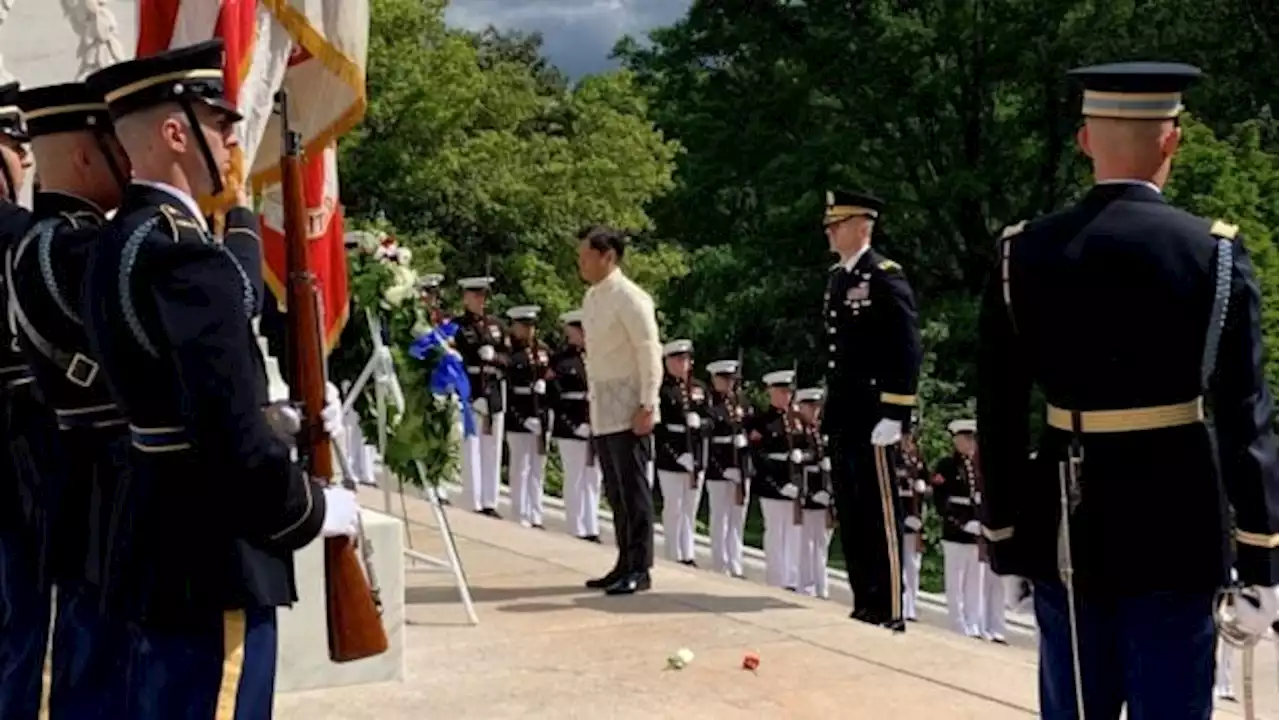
577, 34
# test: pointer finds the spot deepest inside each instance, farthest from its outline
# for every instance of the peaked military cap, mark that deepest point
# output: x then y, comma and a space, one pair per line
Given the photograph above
842, 205
69, 107
573, 317
524, 313
11, 114
780, 378
475, 283
723, 367
192, 73
678, 347
815, 394
962, 426
1134, 90
430, 281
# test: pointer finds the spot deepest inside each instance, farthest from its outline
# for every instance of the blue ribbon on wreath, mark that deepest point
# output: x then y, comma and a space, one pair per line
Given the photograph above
449, 376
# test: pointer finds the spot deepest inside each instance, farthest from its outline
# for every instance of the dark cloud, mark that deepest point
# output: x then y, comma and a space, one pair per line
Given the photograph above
578, 34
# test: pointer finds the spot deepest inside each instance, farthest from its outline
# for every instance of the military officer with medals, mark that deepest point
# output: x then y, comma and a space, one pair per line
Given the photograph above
214, 507
681, 461
24, 599
482, 342
773, 434
571, 428
1137, 320
83, 172
528, 416
874, 353
728, 482
913, 486
817, 516
955, 491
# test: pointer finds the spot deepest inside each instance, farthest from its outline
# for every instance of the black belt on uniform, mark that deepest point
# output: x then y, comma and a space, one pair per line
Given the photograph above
95, 416
160, 439
78, 368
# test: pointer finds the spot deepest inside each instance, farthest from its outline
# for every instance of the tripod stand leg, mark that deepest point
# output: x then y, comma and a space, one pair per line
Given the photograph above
451, 548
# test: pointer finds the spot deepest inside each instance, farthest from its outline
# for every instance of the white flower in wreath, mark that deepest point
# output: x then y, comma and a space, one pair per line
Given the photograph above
396, 295
402, 275
404, 256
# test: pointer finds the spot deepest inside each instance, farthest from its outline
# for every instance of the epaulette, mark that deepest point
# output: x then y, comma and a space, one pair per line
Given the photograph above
178, 220
1012, 230
889, 265
1224, 230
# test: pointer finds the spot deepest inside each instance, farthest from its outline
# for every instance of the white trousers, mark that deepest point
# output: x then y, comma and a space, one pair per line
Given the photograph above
679, 513
781, 534
728, 520
962, 575
910, 574
993, 602
811, 554
359, 453
581, 489
525, 472
482, 466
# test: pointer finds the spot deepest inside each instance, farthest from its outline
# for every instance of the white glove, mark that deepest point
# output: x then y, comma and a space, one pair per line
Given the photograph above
583, 431
341, 512
332, 413
912, 523
797, 456
825, 464
977, 497
973, 527
733, 475
886, 432
1254, 608
486, 353
693, 421
540, 387
685, 461
740, 440
790, 491
533, 425
822, 497
480, 405
920, 486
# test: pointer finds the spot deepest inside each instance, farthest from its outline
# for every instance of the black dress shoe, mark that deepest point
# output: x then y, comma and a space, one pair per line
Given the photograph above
690, 563
629, 584
591, 538
609, 578
895, 625
490, 512
538, 526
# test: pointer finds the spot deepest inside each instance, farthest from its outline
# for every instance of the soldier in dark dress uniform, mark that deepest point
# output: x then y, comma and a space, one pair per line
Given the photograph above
773, 433
728, 486
571, 428
913, 488
681, 461
24, 598
1129, 313
83, 171
482, 342
956, 494
202, 551
528, 416
874, 357
817, 514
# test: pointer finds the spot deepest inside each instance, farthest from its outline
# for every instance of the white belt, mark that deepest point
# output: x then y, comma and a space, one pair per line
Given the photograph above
723, 439
960, 501
522, 390
573, 396
475, 369
675, 428
905, 493
780, 457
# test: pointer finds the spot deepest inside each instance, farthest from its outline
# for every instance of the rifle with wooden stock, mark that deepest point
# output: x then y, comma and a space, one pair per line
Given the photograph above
736, 426
354, 624
790, 425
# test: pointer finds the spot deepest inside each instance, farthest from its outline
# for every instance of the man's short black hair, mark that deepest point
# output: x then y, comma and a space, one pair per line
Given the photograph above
602, 239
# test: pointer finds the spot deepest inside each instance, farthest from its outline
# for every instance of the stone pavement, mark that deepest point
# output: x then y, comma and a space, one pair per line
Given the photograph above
547, 648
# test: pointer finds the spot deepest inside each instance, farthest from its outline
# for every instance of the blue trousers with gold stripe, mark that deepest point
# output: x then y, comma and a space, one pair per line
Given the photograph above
24, 630
224, 669
88, 660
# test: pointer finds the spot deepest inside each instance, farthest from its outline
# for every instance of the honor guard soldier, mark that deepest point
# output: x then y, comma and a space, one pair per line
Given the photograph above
728, 490
1128, 313
777, 479
528, 416
913, 486
572, 431
83, 172
482, 342
24, 599
215, 506
873, 339
956, 493
681, 457
817, 514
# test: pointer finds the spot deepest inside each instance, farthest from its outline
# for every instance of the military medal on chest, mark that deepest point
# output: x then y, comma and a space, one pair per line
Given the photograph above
859, 296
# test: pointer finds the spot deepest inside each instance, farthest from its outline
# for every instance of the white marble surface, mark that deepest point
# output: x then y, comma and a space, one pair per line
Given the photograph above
304, 655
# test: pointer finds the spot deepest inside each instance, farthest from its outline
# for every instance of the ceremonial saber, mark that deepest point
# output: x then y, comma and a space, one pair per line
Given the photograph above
1067, 570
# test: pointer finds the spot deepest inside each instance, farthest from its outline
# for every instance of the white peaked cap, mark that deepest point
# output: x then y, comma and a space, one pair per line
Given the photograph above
571, 317
780, 377
524, 312
475, 283
810, 395
723, 367
963, 426
677, 347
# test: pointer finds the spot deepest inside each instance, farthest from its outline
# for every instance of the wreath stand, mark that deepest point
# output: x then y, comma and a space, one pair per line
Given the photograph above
382, 371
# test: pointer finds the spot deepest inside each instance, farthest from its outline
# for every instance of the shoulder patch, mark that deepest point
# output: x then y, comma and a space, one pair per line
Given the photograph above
1012, 230
889, 265
1224, 230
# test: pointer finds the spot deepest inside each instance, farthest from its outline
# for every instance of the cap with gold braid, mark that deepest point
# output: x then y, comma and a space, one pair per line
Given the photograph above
1135, 90
70, 107
842, 205
11, 124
